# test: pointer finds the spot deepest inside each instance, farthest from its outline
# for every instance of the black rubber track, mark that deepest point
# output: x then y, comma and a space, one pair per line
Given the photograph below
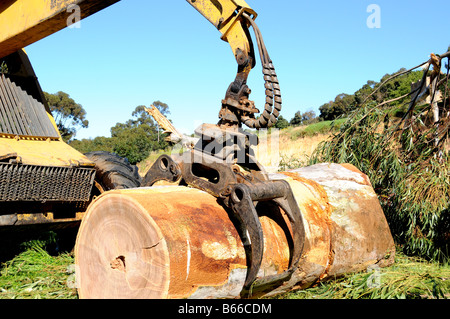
113, 171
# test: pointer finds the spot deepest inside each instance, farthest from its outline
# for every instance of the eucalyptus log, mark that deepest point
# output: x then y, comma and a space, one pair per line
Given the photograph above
178, 242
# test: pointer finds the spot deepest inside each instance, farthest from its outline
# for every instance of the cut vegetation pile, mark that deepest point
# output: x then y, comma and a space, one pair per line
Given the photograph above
401, 144
36, 273
408, 278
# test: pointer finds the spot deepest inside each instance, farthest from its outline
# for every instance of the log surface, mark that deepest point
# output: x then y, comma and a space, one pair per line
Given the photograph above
178, 242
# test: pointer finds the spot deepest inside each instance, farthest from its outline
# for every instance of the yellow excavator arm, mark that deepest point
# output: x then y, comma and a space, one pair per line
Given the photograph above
207, 166
226, 16
23, 22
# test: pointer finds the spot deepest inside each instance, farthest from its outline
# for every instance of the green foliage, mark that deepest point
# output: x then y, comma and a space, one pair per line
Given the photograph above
297, 119
309, 117
69, 115
344, 104
281, 123
35, 274
414, 194
304, 118
288, 162
134, 143
341, 106
407, 278
323, 127
140, 135
100, 143
134, 139
406, 167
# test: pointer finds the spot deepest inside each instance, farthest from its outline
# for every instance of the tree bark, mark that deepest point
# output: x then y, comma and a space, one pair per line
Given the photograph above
178, 242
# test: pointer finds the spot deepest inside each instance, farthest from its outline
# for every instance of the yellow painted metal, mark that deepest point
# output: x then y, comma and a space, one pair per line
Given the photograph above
238, 40
49, 220
23, 22
34, 151
220, 12
226, 16
31, 150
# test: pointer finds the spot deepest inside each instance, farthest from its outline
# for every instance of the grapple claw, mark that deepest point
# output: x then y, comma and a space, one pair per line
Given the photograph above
241, 198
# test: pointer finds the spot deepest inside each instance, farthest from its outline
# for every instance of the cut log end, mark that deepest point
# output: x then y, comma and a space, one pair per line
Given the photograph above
121, 247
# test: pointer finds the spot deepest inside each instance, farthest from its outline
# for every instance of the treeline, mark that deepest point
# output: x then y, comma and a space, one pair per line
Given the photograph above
134, 139
140, 135
305, 118
344, 103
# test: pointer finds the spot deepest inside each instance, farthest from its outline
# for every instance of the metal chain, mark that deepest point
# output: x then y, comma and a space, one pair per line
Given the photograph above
272, 106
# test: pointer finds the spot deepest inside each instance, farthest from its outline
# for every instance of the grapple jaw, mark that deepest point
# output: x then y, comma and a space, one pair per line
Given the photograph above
242, 187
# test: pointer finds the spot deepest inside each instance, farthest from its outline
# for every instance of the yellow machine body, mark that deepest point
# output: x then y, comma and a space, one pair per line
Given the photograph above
23, 22
37, 150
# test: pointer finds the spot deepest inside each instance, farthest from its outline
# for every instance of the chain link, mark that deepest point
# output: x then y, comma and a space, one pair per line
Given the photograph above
273, 103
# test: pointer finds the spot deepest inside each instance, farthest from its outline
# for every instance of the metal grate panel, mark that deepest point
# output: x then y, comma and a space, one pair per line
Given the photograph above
21, 114
44, 183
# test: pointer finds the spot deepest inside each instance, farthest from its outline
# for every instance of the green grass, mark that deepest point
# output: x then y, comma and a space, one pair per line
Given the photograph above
35, 274
407, 278
322, 127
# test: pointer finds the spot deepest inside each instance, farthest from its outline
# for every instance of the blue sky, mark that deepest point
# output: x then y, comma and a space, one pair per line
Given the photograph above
139, 51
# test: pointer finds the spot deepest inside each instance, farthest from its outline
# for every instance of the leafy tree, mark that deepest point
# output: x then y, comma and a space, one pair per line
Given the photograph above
377, 92
345, 102
137, 137
325, 111
281, 123
100, 143
406, 159
134, 139
69, 115
342, 104
162, 107
308, 117
297, 119
304, 118
364, 91
134, 143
